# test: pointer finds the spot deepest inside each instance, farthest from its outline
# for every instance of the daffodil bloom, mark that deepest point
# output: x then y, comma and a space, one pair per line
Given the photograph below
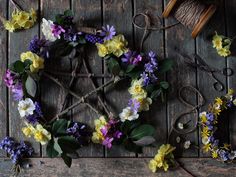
217, 41
136, 89
41, 135
37, 62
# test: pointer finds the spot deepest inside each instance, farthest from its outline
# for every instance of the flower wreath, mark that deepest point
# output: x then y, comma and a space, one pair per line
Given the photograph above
209, 121
63, 137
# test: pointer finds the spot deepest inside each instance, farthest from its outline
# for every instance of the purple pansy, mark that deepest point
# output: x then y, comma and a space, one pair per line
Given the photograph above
57, 30
108, 32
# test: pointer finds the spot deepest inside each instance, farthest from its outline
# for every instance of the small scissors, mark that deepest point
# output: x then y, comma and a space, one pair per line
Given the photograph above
202, 65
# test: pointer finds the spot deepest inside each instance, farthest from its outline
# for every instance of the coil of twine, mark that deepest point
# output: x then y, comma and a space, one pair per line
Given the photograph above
193, 14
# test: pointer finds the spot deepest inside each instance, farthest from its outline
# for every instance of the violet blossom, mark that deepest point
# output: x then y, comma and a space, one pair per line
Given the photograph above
57, 30
132, 58
108, 32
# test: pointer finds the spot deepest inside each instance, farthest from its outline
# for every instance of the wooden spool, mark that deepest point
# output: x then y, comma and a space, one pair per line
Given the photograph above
205, 16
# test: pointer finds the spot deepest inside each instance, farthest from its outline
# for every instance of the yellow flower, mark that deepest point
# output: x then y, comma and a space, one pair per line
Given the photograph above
217, 41
100, 122
136, 89
97, 137
144, 103
224, 52
165, 166
37, 62
10, 26
227, 146
29, 130
205, 132
33, 15
218, 101
102, 50
206, 147
214, 154
216, 110
21, 17
152, 165
41, 135
230, 92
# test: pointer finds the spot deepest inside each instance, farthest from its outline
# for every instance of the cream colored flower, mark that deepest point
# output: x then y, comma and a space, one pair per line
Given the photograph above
47, 31
128, 114
26, 107
136, 89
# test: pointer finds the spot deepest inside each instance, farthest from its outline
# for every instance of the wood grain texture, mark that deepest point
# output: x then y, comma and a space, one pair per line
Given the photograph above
119, 14
3, 65
119, 167
88, 13
52, 96
231, 31
18, 43
154, 42
178, 41
205, 82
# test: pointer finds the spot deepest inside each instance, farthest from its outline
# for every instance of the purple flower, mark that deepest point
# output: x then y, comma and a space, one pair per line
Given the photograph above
93, 38
9, 78
117, 134
131, 58
134, 105
223, 155
17, 91
72, 35
146, 79
149, 68
210, 117
35, 117
107, 142
104, 131
36, 44
57, 30
16, 150
108, 32
151, 54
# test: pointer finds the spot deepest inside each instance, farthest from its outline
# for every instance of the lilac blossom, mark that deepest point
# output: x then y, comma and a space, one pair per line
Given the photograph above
108, 32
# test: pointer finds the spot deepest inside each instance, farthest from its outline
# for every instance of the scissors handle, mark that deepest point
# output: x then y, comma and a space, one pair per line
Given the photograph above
227, 71
218, 85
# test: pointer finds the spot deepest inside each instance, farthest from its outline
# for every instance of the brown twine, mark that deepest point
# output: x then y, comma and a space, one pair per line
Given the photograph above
192, 109
148, 25
188, 12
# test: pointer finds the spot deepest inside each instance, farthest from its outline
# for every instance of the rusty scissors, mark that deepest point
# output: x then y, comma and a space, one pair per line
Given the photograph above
202, 65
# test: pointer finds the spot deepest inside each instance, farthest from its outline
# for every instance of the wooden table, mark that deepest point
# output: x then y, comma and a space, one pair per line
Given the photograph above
97, 161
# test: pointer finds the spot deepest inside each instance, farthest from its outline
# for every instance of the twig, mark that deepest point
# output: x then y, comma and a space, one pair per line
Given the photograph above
69, 91
86, 75
81, 100
94, 87
16, 5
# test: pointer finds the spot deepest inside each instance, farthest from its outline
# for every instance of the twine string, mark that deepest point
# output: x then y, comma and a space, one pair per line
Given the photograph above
191, 109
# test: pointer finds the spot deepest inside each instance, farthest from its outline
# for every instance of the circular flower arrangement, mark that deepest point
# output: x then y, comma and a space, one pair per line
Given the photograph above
63, 137
209, 121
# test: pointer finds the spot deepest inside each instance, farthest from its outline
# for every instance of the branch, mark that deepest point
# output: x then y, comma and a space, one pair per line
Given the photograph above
86, 75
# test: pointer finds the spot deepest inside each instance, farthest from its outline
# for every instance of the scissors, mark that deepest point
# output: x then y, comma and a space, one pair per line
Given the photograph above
202, 65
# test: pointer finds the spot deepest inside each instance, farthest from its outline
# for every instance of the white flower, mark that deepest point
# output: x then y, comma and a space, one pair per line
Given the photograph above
26, 107
187, 144
202, 114
47, 30
128, 114
178, 139
205, 140
180, 126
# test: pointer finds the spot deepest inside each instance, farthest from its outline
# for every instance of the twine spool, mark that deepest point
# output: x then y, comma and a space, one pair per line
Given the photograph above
193, 14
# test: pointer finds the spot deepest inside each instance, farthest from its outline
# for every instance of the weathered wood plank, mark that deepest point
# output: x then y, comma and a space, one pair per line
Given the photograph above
88, 13
122, 167
155, 42
52, 96
178, 40
231, 28
18, 43
208, 53
119, 14
3, 65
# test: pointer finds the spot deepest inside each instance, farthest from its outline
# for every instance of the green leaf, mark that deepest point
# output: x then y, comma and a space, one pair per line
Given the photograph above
144, 141
156, 93
19, 66
164, 85
166, 65
68, 144
130, 68
142, 131
68, 13
31, 86
66, 159
113, 66
128, 126
60, 126
57, 147
51, 152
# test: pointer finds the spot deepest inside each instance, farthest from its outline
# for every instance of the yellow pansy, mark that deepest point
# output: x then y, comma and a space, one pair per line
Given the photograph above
217, 41
41, 135
214, 154
152, 165
144, 103
224, 52
102, 50
136, 89
37, 62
